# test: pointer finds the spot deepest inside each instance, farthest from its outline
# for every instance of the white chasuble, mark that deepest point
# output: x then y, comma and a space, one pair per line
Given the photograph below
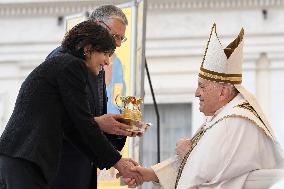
232, 146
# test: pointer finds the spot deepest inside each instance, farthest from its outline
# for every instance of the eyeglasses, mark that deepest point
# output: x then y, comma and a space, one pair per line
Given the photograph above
117, 37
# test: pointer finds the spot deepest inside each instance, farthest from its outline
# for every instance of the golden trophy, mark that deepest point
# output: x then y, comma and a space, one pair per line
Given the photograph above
130, 110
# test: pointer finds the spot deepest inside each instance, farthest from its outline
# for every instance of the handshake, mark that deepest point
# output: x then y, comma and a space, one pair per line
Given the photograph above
133, 174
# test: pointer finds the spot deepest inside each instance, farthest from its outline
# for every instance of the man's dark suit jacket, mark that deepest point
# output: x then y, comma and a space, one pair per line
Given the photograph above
76, 170
53, 103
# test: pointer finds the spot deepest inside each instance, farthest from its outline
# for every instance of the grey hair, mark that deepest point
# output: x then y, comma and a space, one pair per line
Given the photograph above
232, 89
106, 12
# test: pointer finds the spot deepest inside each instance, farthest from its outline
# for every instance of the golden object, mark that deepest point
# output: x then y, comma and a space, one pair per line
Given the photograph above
131, 113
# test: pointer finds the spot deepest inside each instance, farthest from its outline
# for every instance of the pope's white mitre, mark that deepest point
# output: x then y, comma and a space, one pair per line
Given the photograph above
223, 65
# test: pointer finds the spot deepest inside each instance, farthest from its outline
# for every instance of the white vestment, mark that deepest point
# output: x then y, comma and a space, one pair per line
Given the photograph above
222, 159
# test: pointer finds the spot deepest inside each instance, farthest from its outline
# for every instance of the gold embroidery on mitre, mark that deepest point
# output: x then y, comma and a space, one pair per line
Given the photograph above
220, 77
216, 76
208, 42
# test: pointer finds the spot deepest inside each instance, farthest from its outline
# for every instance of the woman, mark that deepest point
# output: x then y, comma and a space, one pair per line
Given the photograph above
52, 96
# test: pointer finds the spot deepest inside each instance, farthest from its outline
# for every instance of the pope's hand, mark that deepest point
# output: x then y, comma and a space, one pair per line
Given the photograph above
182, 147
124, 166
147, 174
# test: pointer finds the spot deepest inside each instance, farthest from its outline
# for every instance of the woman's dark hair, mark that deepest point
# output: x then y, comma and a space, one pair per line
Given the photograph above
88, 33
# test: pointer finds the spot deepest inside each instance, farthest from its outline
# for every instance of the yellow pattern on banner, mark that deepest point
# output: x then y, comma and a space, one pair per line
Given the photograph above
106, 179
123, 52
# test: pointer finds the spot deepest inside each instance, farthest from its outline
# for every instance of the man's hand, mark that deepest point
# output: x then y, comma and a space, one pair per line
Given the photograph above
182, 147
147, 174
125, 167
136, 123
109, 124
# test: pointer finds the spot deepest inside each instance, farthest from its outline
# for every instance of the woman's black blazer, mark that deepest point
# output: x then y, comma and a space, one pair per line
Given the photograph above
52, 95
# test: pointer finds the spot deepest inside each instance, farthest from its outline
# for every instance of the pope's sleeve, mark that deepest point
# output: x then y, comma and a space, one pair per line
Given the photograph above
166, 172
229, 149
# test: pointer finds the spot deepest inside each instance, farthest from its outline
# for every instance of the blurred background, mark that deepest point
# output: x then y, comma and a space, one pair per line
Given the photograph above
176, 36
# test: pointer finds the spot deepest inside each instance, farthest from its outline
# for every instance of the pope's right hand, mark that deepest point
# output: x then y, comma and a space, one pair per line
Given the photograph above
147, 174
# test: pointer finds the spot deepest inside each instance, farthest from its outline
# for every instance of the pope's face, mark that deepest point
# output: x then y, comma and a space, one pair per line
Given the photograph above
208, 93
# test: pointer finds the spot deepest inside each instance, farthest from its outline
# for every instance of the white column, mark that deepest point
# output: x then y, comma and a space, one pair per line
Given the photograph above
263, 89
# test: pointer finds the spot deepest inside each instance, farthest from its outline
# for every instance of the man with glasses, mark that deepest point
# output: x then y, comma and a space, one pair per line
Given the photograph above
115, 83
75, 170
115, 26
